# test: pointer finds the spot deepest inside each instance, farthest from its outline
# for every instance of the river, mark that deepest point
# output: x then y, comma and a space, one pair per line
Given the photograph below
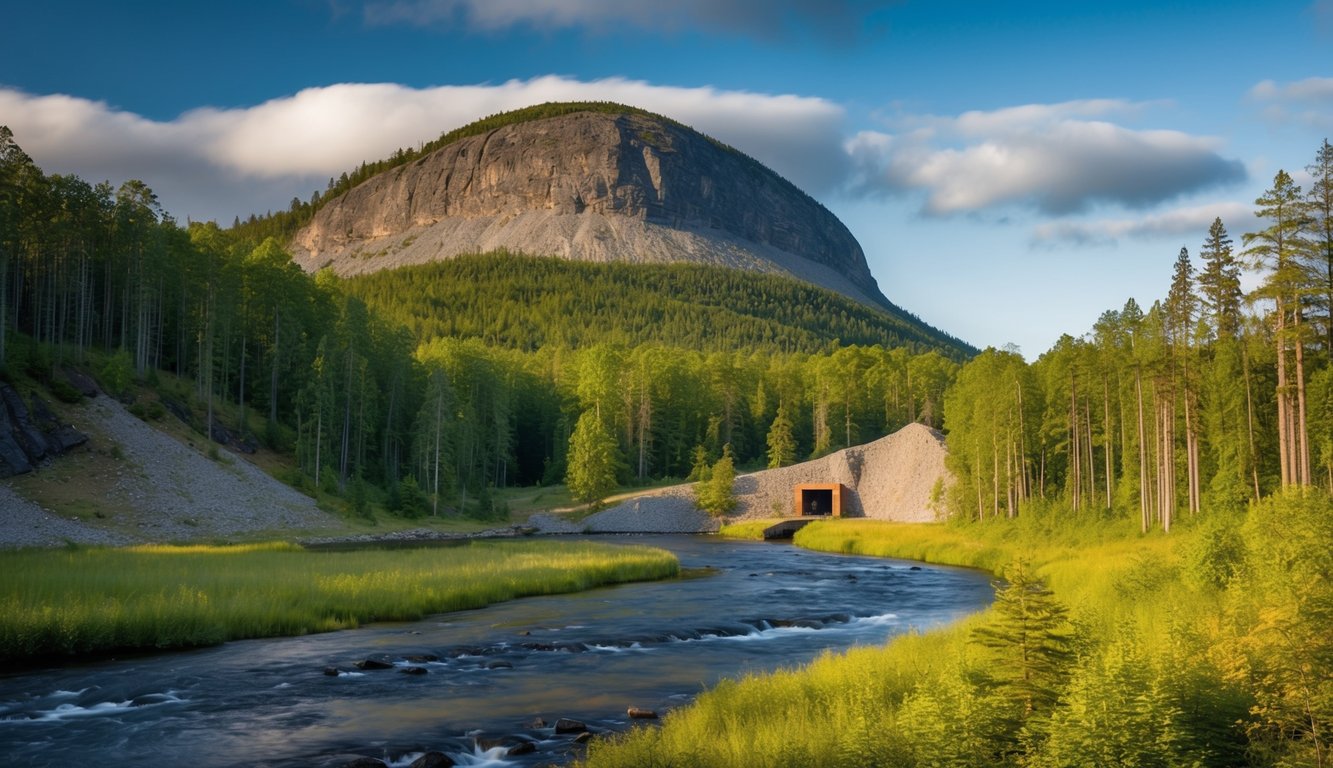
488, 673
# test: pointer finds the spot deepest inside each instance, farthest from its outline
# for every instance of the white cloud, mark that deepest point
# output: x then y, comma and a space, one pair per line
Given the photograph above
763, 19
1052, 157
1308, 101
1190, 224
216, 163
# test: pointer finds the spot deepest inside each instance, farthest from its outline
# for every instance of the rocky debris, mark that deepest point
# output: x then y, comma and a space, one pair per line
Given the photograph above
332, 671
181, 494
81, 382
30, 437
416, 671
588, 187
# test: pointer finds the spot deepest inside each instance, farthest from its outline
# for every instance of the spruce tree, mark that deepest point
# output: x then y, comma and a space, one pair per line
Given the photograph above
1030, 639
714, 494
592, 459
1219, 282
781, 443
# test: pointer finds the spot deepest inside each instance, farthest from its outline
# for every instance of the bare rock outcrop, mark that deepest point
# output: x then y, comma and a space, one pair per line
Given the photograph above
588, 186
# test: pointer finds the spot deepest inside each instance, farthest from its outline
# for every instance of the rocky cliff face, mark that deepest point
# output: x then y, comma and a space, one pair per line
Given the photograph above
587, 186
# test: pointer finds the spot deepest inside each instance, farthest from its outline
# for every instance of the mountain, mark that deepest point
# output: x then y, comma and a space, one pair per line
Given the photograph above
585, 182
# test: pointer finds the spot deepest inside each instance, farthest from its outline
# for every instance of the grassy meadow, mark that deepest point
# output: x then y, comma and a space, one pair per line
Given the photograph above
1210, 646
59, 603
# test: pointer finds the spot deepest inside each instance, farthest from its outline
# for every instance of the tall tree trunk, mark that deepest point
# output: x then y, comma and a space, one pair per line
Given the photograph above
1143, 454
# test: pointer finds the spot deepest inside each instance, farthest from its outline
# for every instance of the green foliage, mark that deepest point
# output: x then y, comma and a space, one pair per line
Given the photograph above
1216, 555
152, 597
118, 373
65, 392
593, 459
714, 493
410, 501
781, 442
1281, 608
525, 302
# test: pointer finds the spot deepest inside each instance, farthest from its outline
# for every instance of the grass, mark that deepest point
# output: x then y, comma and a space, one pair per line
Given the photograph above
748, 529
79, 601
922, 700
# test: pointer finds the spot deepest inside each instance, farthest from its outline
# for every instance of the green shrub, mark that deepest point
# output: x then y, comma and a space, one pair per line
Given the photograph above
118, 373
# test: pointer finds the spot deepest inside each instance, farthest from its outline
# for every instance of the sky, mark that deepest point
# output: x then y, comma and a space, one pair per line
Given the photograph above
1011, 169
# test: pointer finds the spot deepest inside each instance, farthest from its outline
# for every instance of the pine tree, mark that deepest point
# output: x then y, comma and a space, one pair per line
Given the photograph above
1278, 249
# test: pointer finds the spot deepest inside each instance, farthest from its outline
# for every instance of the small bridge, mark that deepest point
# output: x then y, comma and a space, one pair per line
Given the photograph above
787, 528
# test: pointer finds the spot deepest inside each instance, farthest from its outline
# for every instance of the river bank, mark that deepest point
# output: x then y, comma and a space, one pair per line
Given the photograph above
489, 674
1156, 649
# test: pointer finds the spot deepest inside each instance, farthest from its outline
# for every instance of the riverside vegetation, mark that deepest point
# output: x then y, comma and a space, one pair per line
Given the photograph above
1206, 647
155, 596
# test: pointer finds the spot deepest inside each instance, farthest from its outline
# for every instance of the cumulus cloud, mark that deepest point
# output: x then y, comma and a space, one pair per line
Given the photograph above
1308, 101
216, 163
1056, 158
762, 19
1190, 224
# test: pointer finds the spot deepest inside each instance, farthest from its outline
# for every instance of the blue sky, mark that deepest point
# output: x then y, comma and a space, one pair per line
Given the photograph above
1012, 169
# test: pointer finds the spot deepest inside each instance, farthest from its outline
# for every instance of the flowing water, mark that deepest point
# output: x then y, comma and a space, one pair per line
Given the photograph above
488, 674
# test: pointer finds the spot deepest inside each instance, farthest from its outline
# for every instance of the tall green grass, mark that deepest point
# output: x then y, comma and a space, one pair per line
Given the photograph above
1149, 683
79, 601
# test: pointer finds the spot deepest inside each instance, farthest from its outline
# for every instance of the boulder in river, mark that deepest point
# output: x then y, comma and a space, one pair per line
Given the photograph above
354, 761
567, 725
433, 760
374, 662
637, 713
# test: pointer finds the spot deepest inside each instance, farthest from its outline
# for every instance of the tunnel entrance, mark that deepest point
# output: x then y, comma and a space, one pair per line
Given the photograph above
818, 500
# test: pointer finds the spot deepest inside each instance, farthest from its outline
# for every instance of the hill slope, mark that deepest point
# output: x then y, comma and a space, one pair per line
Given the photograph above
611, 184
528, 302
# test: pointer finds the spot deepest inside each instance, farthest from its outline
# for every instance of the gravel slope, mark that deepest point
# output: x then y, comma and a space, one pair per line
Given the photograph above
180, 494
25, 524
